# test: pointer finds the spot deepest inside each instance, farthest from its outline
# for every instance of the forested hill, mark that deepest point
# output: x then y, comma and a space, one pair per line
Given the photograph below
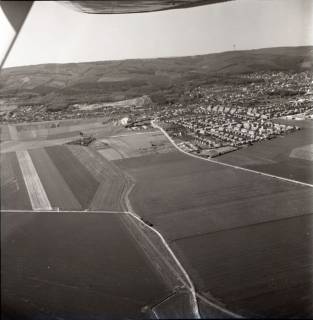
161, 78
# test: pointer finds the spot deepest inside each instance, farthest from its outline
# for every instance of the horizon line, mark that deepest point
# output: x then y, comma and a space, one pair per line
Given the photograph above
155, 58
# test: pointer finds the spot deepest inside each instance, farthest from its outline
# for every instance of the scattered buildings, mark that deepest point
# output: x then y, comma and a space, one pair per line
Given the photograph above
222, 116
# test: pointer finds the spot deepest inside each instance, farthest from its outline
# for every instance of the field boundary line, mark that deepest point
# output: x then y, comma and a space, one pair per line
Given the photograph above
37, 194
130, 211
190, 284
126, 205
229, 313
243, 226
60, 211
154, 125
132, 134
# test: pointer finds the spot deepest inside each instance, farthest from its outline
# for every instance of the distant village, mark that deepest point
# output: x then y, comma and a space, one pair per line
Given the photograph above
213, 119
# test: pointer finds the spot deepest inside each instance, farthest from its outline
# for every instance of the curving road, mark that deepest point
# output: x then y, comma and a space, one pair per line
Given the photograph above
154, 125
171, 261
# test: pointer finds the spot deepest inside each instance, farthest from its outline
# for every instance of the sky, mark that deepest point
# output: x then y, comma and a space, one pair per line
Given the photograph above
54, 33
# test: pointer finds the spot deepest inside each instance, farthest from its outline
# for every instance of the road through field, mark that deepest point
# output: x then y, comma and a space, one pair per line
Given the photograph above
35, 189
165, 253
154, 125
150, 240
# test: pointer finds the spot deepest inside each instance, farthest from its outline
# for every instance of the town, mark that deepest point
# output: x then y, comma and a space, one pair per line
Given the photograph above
210, 119
222, 118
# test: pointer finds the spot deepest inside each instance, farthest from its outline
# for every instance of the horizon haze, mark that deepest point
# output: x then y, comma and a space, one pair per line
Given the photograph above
230, 26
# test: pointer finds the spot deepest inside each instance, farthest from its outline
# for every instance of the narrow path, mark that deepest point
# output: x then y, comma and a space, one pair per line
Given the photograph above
151, 238
154, 125
172, 260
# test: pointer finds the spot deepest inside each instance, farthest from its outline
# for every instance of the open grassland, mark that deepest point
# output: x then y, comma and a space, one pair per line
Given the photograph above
190, 201
74, 266
275, 156
13, 190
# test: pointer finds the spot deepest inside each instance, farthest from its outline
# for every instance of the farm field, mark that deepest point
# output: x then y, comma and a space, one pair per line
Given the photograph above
191, 201
65, 265
277, 156
135, 144
58, 191
303, 152
12, 146
77, 177
13, 189
52, 130
35, 189
112, 182
72, 177
4, 133
263, 270
61, 123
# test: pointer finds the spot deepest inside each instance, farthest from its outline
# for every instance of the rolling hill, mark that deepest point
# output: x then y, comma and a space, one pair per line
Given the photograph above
163, 79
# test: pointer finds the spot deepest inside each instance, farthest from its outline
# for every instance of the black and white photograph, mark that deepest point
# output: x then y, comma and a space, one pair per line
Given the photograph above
156, 159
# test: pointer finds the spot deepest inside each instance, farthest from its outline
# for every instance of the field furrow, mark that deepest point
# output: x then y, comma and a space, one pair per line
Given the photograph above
245, 239
94, 165
108, 196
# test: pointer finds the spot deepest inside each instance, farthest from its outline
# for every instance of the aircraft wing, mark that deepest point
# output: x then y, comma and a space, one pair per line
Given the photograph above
135, 6
15, 12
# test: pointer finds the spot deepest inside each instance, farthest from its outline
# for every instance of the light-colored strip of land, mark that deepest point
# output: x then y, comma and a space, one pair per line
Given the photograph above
35, 189
133, 134
227, 164
304, 152
10, 146
13, 132
61, 211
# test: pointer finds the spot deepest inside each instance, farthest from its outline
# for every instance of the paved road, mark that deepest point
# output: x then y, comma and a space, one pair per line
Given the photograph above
226, 164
